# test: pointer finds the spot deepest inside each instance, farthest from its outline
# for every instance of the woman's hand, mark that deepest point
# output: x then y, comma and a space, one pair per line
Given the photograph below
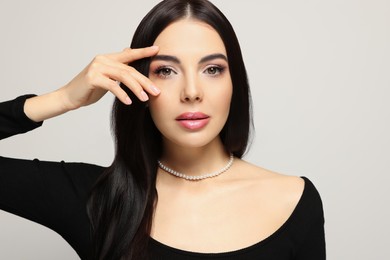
103, 74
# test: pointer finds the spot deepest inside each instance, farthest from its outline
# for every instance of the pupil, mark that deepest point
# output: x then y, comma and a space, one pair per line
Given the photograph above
165, 72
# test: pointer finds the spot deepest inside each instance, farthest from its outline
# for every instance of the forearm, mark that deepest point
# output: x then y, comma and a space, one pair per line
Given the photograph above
100, 76
40, 108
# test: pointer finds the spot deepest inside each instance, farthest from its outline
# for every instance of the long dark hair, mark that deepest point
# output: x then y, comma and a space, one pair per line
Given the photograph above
122, 202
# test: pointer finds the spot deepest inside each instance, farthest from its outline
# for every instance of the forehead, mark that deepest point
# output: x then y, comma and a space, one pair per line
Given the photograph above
189, 36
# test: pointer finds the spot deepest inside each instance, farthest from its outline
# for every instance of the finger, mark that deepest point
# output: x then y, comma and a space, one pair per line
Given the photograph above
129, 55
136, 88
126, 75
144, 81
147, 84
115, 89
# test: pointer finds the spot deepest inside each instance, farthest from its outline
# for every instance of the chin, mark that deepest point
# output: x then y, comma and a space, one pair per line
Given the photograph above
192, 141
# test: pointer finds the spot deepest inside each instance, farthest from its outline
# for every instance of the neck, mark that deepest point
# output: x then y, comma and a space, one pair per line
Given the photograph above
195, 161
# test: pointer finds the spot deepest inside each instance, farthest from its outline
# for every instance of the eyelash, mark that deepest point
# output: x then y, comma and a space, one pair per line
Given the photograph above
159, 70
219, 69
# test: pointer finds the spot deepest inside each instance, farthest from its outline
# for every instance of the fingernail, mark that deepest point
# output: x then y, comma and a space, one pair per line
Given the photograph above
144, 96
155, 90
128, 101
154, 47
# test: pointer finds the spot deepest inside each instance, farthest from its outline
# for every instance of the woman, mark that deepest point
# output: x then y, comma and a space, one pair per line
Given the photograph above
177, 188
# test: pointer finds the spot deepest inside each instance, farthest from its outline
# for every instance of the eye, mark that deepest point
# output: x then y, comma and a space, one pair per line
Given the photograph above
214, 70
164, 72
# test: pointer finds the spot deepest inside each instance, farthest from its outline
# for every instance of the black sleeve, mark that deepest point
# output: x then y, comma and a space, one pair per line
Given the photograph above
312, 244
13, 120
53, 194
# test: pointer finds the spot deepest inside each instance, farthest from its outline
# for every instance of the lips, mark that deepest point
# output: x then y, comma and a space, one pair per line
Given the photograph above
192, 116
193, 120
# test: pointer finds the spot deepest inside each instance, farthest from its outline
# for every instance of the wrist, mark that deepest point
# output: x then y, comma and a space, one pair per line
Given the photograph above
46, 106
64, 99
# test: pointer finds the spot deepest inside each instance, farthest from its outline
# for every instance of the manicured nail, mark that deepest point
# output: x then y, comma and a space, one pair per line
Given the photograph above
155, 90
128, 101
144, 96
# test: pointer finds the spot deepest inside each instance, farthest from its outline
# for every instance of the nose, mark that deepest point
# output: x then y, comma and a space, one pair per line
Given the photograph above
191, 91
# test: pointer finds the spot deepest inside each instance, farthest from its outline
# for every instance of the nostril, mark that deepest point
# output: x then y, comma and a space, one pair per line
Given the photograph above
192, 99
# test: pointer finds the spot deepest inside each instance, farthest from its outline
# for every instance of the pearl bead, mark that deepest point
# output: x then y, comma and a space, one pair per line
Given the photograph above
198, 177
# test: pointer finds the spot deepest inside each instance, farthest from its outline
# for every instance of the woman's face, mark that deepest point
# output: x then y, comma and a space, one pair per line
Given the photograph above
192, 71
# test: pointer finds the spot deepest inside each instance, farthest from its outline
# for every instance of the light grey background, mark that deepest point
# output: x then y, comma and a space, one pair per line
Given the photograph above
319, 73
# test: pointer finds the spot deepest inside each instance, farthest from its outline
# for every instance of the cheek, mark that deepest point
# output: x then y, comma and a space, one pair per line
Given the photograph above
227, 99
159, 107
225, 103
222, 98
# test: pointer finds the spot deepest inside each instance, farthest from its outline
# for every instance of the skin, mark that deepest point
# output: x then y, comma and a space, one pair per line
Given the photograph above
196, 80
98, 78
237, 209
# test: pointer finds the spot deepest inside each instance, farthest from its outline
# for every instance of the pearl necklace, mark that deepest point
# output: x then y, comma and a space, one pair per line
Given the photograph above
197, 177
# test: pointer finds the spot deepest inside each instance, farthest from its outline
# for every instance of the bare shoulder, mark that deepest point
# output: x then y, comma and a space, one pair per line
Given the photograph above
263, 182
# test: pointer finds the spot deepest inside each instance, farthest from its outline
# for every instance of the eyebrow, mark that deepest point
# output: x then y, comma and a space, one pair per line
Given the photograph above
202, 60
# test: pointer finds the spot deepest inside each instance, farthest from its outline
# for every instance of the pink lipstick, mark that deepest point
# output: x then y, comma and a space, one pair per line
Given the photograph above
193, 120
